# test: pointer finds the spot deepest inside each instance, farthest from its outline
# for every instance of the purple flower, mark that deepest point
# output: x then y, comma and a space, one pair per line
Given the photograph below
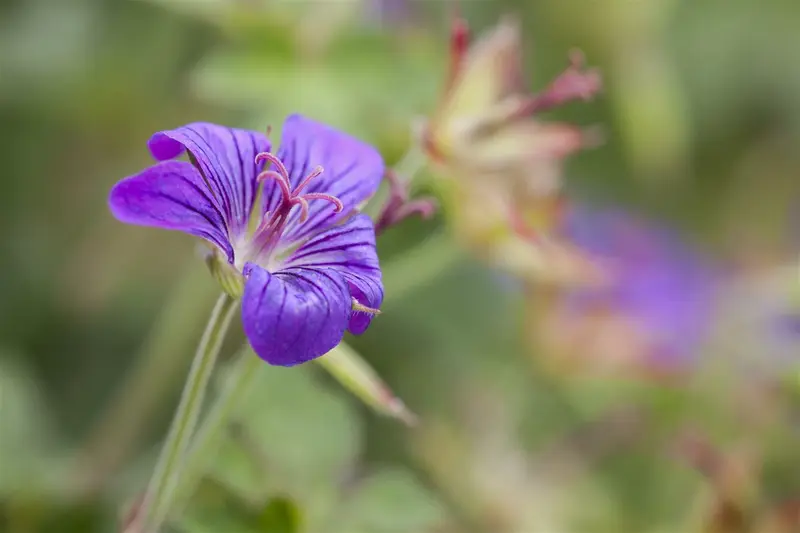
284, 222
661, 289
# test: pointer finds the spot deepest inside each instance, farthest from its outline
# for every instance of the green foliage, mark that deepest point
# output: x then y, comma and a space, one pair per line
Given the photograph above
292, 446
28, 438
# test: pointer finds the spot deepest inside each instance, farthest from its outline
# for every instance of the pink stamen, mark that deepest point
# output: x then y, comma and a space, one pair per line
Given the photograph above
314, 173
283, 183
272, 158
303, 203
338, 206
271, 227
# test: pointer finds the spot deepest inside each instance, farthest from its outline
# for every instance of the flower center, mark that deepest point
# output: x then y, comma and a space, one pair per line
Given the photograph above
273, 223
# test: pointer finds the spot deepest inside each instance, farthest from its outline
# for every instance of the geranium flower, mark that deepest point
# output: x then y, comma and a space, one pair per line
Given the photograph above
654, 312
282, 227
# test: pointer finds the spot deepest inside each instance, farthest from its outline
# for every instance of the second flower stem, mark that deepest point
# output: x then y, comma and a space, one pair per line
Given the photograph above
211, 432
160, 491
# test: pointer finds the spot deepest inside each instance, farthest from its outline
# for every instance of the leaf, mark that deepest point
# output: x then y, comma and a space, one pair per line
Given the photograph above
280, 515
348, 88
291, 437
216, 509
26, 431
391, 501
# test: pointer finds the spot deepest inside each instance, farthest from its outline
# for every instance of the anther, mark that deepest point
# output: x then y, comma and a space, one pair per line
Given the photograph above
356, 306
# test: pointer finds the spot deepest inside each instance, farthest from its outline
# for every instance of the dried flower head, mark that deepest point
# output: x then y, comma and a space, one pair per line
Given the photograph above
499, 167
485, 126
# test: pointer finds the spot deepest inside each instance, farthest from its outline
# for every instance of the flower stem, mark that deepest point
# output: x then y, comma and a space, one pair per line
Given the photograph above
237, 384
159, 494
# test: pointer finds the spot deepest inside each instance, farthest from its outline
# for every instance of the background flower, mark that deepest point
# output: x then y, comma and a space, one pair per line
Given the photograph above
656, 308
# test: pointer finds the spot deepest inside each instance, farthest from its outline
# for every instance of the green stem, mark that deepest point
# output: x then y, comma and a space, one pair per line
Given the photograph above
159, 494
207, 439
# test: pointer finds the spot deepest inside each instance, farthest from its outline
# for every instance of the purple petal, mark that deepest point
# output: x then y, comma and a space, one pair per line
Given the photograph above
226, 158
663, 285
352, 171
350, 251
295, 315
788, 325
171, 195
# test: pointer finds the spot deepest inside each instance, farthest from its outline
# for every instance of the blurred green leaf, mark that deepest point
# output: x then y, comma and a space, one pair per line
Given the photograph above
280, 515
390, 501
291, 436
290, 447
349, 87
28, 438
217, 510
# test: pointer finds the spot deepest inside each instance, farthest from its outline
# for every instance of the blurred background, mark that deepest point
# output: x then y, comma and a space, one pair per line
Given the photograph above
98, 320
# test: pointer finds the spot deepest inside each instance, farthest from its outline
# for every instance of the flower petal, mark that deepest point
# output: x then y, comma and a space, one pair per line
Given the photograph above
171, 195
349, 250
665, 285
295, 315
226, 158
352, 171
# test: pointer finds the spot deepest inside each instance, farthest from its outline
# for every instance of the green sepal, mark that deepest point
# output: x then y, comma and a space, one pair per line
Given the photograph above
230, 280
357, 376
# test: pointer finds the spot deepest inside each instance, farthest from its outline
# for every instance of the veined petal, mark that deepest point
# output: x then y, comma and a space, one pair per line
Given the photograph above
226, 158
350, 251
352, 171
295, 315
171, 195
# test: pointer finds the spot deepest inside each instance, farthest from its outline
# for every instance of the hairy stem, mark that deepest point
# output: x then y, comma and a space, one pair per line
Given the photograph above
237, 384
159, 495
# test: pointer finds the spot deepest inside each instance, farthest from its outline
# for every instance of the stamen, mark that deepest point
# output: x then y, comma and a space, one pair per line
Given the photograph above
314, 173
268, 223
356, 306
282, 182
303, 207
272, 158
338, 206
268, 233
